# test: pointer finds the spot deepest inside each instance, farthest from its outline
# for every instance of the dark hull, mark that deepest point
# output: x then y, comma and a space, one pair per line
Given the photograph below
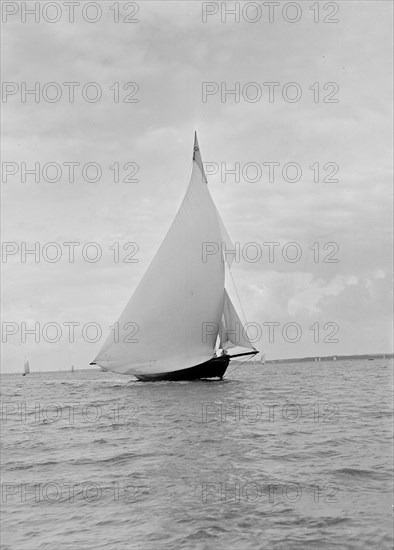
214, 368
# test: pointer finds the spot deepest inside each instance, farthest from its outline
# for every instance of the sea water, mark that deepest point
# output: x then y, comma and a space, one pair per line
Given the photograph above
277, 456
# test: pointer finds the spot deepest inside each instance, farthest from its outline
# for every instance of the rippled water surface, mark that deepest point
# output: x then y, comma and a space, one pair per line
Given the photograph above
281, 456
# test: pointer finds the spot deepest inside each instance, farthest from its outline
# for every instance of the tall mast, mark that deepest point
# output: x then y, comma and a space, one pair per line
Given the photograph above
197, 158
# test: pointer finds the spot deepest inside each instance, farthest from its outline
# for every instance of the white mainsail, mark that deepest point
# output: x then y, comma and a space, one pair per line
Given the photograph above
179, 295
27, 367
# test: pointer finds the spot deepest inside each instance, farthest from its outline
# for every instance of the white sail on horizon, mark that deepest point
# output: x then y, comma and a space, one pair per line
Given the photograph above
27, 367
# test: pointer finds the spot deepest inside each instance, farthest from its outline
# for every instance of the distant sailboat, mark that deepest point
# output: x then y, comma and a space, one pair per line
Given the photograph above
26, 368
181, 315
72, 368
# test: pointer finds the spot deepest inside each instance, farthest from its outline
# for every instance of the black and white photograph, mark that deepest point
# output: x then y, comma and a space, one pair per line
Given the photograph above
197, 275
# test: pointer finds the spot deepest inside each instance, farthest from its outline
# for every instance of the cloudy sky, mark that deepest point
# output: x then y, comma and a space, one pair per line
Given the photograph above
169, 53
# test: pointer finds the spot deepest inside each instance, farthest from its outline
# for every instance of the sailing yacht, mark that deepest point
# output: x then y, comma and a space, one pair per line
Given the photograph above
26, 368
180, 322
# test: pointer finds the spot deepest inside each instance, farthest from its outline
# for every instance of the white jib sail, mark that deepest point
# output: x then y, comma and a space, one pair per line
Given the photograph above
176, 297
233, 332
